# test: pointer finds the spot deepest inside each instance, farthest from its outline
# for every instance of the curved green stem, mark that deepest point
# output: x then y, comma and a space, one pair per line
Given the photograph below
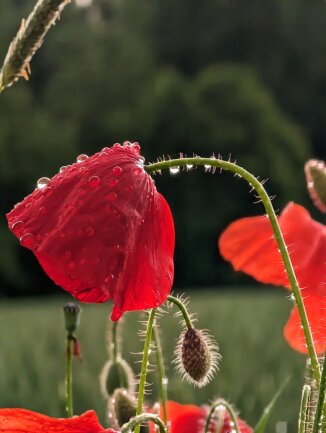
320, 422
162, 380
229, 408
69, 395
254, 182
143, 374
136, 422
183, 310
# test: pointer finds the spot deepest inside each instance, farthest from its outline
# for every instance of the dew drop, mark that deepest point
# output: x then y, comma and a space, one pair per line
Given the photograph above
174, 170
94, 181
109, 278
42, 211
136, 147
117, 171
28, 240
117, 145
292, 297
42, 182
28, 205
89, 231
71, 266
82, 157
113, 182
63, 168
17, 227
67, 255
112, 196
140, 221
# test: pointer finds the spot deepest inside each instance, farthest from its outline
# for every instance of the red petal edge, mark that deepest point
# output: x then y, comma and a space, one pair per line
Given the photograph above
25, 421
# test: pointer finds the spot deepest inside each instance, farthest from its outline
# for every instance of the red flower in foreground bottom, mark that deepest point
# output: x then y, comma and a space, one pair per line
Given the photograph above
25, 421
188, 418
250, 246
101, 231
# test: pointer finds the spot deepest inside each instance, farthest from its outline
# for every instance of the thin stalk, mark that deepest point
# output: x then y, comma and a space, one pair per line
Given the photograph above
254, 182
183, 310
320, 422
114, 347
136, 422
162, 380
143, 374
229, 408
306, 391
69, 394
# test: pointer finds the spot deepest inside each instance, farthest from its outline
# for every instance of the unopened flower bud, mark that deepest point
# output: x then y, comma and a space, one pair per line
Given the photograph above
122, 407
72, 313
197, 357
116, 374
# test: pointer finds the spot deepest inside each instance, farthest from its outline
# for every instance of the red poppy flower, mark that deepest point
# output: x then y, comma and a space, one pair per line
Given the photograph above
188, 418
26, 421
250, 246
101, 231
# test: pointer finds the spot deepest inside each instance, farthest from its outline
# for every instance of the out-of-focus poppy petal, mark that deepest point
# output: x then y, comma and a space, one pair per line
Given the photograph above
316, 311
101, 231
250, 246
188, 418
25, 421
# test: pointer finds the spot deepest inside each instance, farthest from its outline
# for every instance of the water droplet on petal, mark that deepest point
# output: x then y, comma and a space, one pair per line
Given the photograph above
28, 205
63, 168
42, 182
28, 240
140, 221
117, 145
17, 227
71, 266
67, 255
174, 170
42, 211
112, 196
82, 157
94, 181
112, 183
47, 190
109, 278
117, 171
89, 231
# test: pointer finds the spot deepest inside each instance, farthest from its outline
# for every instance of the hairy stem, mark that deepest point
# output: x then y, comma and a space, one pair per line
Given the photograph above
218, 403
162, 379
254, 182
182, 308
320, 422
143, 374
306, 391
136, 422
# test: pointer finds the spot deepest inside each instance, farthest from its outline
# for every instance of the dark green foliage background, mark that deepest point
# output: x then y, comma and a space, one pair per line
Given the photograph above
230, 77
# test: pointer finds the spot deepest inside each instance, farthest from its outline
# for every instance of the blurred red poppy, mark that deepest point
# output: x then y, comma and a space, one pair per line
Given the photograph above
250, 246
26, 421
188, 418
101, 231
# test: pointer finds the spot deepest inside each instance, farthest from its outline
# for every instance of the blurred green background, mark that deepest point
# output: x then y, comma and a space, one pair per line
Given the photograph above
230, 77
245, 78
248, 328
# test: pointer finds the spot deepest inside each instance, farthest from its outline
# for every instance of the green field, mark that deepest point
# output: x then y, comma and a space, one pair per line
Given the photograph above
247, 326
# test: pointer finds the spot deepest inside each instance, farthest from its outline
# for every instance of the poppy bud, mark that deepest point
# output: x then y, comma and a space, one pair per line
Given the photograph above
71, 313
122, 406
197, 357
116, 374
316, 182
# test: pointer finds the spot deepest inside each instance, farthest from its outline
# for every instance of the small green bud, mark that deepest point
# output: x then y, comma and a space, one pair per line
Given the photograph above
122, 407
72, 315
316, 182
197, 357
116, 374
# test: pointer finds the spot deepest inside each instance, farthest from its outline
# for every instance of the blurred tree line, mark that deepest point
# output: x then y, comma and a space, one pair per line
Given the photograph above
230, 77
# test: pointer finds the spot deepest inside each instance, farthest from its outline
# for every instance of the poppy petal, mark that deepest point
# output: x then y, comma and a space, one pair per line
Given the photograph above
101, 231
185, 418
250, 246
315, 308
25, 421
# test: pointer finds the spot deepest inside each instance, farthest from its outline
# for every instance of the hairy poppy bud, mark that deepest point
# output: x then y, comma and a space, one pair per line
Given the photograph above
122, 406
71, 313
316, 182
116, 374
197, 357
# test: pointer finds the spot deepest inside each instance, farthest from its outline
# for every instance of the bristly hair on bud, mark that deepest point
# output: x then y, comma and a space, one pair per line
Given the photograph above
116, 374
122, 407
196, 356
